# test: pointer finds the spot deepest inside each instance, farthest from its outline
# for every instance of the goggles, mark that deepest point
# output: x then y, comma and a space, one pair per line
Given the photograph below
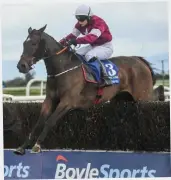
81, 18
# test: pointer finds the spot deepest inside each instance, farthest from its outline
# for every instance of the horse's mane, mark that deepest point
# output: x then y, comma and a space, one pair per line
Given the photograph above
72, 54
53, 39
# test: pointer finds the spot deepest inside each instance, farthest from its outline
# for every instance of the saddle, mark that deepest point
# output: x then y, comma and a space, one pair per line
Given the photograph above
93, 73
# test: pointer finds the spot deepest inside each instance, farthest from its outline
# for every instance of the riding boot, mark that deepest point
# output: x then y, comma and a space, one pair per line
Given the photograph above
105, 77
93, 59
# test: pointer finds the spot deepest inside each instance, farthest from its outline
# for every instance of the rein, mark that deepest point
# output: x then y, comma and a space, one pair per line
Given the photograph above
58, 53
59, 74
61, 51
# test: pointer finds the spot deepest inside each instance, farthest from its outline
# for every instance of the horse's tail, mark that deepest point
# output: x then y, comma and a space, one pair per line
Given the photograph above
151, 69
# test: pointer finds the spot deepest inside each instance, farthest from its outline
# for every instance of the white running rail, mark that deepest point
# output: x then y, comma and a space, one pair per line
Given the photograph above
42, 81
11, 98
166, 92
27, 97
41, 97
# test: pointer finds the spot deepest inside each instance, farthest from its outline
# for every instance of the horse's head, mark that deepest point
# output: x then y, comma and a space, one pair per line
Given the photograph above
33, 50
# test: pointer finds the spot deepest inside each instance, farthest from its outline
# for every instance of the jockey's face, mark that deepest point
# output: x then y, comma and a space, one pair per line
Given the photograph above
83, 23
82, 20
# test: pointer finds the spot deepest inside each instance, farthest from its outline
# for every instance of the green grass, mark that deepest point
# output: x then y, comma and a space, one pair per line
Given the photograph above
160, 82
22, 92
36, 92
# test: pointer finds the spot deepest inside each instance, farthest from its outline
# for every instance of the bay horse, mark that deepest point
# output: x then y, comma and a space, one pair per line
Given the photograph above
66, 87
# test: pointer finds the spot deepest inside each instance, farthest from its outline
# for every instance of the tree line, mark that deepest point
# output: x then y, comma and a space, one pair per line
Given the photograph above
19, 82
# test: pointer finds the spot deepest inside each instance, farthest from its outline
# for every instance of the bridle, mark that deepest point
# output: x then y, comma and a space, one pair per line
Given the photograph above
55, 54
35, 60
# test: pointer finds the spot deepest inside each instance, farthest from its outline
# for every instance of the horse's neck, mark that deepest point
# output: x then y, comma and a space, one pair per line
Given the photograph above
58, 63
54, 64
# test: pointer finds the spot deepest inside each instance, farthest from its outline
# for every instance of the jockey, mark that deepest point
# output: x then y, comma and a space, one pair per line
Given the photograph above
96, 34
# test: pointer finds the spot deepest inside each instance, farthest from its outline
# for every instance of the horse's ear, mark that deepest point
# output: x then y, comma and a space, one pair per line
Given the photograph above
42, 29
29, 30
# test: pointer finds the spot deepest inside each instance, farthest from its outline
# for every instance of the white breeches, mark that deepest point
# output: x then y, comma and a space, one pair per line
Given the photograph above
101, 52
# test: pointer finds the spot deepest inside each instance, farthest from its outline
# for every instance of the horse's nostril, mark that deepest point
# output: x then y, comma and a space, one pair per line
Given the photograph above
23, 66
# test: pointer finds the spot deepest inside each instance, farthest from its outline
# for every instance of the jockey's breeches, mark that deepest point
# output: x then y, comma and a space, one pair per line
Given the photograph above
102, 52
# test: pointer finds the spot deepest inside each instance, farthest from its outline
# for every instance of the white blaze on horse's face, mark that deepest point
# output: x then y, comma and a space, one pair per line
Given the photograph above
30, 47
30, 50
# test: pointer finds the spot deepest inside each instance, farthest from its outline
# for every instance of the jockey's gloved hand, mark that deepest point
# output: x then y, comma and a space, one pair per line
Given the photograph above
72, 42
63, 42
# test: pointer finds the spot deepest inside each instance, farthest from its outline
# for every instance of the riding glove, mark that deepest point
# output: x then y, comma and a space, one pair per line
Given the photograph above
63, 42
72, 41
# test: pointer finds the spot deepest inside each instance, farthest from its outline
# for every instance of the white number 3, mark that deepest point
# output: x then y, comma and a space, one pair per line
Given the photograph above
110, 70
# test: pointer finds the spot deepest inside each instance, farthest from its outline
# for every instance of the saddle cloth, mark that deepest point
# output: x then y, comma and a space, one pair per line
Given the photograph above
93, 74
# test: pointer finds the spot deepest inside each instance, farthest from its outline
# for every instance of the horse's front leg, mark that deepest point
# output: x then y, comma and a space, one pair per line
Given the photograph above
48, 106
60, 111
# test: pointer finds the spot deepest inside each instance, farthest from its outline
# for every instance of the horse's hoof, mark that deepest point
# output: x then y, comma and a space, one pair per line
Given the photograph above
19, 151
36, 149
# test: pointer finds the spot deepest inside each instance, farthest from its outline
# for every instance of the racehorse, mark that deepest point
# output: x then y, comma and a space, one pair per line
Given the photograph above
67, 87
